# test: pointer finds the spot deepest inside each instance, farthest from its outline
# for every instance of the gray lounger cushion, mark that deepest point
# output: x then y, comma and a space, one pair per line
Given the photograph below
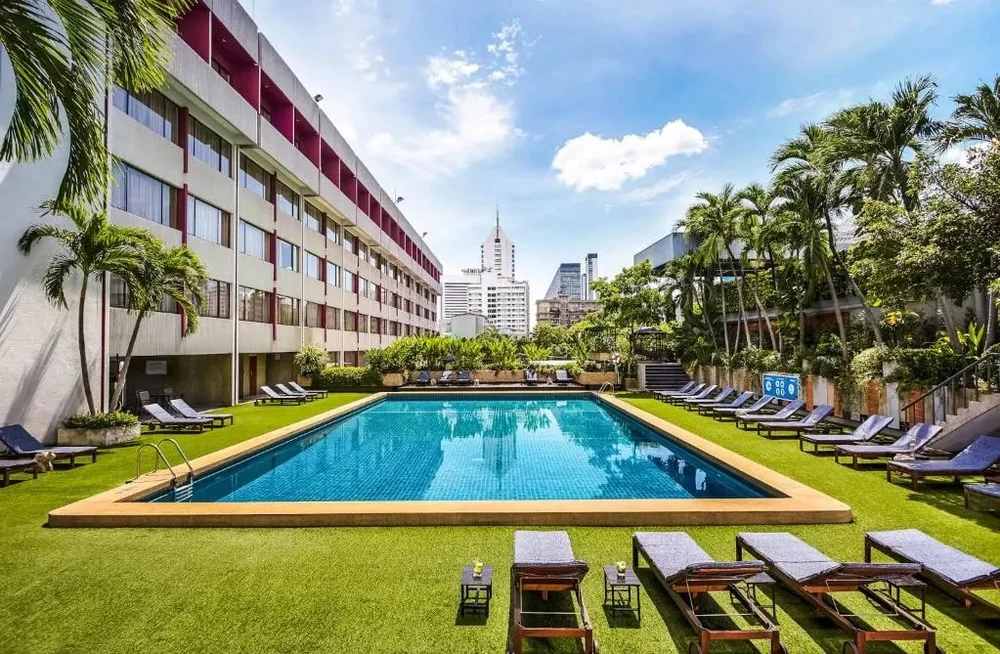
866, 431
990, 490
756, 406
916, 437
945, 561
19, 441
815, 416
674, 553
542, 547
784, 413
980, 456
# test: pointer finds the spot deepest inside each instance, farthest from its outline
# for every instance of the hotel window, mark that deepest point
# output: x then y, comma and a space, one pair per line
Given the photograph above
314, 218
288, 310
287, 200
253, 241
266, 115
376, 325
362, 287
334, 358
333, 232
120, 298
350, 282
209, 148
393, 328
313, 266
221, 70
137, 193
332, 274
350, 242
362, 323
350, 358
288, 256
332, 318
350, 321
151, 109
207, 222
216, 300
362, 251
255, 179
314, 314
255, 305
383, 265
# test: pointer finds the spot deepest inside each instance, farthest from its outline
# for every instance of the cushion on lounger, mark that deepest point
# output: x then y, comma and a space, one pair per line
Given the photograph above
790, 554
943, 560
532, 547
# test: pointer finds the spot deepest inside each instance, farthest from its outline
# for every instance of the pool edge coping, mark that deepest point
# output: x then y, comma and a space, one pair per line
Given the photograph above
118, 507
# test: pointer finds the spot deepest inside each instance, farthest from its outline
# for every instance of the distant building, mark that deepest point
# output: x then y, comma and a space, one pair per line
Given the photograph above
497, 253
468, 325
589, 275
564, 311
672, 246
566, 283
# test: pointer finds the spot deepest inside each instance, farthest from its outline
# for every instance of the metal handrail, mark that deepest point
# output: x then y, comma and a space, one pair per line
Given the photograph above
609, 385
183, 456
156, 462
967, 380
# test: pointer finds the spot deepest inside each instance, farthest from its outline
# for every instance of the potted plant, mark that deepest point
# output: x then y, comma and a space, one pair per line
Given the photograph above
99, 429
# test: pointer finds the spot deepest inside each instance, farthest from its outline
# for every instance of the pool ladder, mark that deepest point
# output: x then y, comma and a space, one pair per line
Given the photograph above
174, 478
606, 385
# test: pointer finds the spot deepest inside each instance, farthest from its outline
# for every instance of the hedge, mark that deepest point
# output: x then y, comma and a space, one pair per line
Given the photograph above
335, 378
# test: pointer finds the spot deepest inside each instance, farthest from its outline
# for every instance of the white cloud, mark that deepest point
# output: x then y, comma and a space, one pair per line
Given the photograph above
605, 164
645, 194
821, 102
442, 71
942, 2
795, 105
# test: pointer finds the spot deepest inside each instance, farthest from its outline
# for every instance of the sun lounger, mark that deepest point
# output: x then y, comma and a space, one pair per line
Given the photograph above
741, 399
949, 569
22, 444
544, 563
562, 377
786, 428
867, 430
185, 411
464, 378
724, 394
447, 377
162, 419
271, 397
686, 388
979, 458
983, 496
531, 377
687, 573
296, 388
912, 441
724, 413
286, 391
817, 578
678, 400
692, 389
784, 413
8, 466
424, 378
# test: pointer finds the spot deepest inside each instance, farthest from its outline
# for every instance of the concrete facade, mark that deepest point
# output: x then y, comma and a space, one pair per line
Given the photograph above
376, 279
564, 311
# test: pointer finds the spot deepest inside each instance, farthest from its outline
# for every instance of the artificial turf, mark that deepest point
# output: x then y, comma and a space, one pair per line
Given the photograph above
396, 589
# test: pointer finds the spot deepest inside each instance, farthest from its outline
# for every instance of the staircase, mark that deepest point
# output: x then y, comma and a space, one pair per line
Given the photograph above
966, 405
662, 376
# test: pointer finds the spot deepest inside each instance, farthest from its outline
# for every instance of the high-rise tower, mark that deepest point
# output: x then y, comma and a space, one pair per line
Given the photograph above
497, 252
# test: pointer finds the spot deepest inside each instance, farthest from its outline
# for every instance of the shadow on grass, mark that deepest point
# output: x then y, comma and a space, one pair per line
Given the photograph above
561, 612
951, 499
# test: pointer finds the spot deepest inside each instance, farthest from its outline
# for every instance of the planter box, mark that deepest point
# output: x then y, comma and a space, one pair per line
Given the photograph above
98, 437
393, 379
597, 378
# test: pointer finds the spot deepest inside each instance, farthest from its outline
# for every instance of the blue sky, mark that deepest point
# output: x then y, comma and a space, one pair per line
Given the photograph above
594, 122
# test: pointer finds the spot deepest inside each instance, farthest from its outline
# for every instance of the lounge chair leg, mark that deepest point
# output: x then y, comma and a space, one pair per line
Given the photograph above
6, 477
72, 461
913, 482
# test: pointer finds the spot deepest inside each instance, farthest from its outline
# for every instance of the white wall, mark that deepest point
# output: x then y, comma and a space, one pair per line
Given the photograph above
40, 380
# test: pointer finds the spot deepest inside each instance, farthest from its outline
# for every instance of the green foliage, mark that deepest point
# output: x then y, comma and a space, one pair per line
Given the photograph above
310, 359
469, 355
501, 354
334, 378
101, 420
973, 339
535, 352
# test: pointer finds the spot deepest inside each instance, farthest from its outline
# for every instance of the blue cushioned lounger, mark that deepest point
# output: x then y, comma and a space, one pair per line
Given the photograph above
979, 458
17, 439
867, 430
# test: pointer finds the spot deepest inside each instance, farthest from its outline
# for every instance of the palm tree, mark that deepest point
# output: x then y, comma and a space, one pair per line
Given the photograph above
976, 117
805, 160
61, 52
716, 220
760, 211
93, 246
176, 273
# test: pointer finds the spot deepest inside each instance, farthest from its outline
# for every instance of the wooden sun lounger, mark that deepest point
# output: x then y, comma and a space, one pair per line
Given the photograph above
741, 399
271, 397
8, 466
874, 425
658, 393
724, 413
678, 400
687, 573
817, 578
687, 390
287, 391
979, 458
983, 496
695, 402
296, 388
21, 443
544, 563
789, 428
945, 567
161, 419
784, 413
912, 441
183, 408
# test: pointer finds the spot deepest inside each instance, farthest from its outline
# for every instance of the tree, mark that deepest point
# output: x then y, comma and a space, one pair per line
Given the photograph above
176, 273
976, 117
62, 51
93, 247
632, 298
761, 207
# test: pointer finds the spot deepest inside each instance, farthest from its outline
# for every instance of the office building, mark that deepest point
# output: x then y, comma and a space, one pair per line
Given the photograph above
564, 311
233, 158
590, 275
497, 253
567, 282
503, 301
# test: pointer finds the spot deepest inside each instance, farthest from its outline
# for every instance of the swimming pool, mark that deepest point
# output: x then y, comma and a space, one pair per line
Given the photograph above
455, 448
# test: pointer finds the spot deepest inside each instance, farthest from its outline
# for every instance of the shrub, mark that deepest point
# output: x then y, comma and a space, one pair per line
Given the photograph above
310, 359
573, 369
533, 352
333, 378
101, 420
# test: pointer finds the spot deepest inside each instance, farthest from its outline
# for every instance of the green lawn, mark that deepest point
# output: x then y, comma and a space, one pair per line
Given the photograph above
391, 589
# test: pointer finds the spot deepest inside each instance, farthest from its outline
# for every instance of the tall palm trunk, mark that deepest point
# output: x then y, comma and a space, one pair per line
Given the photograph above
949, 323
991, 320
82, 342
836, 310
762, 312
722, 290
123, 373
739, 296
872, 319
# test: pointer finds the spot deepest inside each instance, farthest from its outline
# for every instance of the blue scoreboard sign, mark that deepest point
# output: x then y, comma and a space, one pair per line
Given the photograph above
781, 385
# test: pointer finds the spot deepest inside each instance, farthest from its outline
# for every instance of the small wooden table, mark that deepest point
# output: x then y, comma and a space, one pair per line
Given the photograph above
618, 592
475, 593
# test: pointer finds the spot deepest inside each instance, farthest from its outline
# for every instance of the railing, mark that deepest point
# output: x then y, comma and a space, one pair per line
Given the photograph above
957, 392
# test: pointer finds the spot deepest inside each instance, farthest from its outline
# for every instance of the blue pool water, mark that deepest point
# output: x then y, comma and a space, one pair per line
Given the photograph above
453, 448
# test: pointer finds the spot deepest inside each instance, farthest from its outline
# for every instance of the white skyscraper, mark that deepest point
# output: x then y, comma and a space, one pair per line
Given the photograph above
490, 290
590, 274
